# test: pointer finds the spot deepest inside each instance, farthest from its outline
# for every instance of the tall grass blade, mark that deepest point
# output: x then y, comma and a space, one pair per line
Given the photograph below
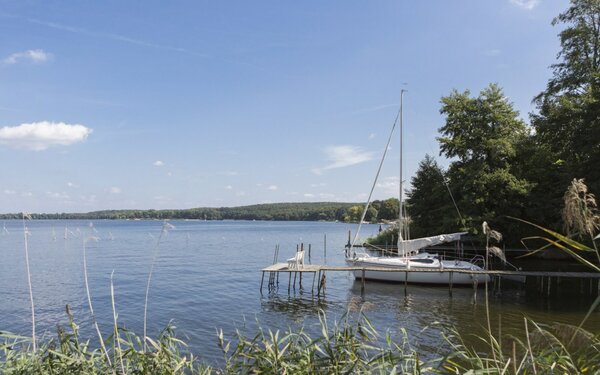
165, 228
25, 238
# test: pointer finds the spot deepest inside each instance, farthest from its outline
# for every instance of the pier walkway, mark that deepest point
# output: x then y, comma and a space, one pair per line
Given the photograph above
544, 280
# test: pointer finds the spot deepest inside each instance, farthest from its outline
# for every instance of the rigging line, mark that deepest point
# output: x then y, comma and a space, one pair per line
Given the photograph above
449, 191
387, 146
458, 210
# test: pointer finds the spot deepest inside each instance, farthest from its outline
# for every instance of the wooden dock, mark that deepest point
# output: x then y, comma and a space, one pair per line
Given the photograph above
544, 279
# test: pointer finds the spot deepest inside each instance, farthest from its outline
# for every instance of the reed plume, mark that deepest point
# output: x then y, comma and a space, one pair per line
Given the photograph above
580, 213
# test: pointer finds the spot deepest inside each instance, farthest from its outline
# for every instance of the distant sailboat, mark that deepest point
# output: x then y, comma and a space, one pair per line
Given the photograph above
110, 236
4, 230
53, 234
66, 233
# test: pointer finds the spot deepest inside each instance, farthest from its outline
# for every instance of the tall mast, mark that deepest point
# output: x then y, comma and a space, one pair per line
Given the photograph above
400, 221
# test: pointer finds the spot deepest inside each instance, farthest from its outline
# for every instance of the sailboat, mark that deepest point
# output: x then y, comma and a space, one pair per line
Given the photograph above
410, 256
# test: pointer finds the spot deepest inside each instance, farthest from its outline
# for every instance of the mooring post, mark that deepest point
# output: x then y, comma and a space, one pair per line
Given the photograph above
300, 283
309, 246
405, 281
451, 276
295, 274
262, 279
289, 281
312, 288
474, 290
362, 284
319, 284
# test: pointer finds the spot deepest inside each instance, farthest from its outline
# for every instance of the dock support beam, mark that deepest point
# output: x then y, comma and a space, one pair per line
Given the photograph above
262, 279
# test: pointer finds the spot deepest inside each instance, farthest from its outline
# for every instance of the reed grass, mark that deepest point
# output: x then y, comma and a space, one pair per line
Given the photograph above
165, 228
26, 246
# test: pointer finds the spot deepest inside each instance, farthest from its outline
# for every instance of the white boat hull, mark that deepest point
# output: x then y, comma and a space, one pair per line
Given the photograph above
443, 276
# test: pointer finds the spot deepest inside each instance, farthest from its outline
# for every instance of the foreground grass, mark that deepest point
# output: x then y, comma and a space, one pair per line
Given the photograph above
340, 348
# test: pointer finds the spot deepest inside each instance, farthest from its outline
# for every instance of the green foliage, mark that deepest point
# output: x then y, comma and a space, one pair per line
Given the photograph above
484, 134
69, 355
568, 120
326, 211
553, 349
429, 205
345, 348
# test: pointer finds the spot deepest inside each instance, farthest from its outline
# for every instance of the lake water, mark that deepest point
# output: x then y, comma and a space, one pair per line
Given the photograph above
207, 277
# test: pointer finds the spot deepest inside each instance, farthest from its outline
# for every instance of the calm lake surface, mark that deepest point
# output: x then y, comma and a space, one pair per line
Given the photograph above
207, 277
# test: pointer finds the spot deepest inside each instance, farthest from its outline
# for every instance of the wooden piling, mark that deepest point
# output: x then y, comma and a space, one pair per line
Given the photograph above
319, 284
295, 274
325, 245
450, 277
261, 281
309, 246
289, 281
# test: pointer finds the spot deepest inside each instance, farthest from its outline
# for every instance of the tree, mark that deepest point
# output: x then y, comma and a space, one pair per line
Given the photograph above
579, 67
484, 134
388, 210
429, 205
568, 118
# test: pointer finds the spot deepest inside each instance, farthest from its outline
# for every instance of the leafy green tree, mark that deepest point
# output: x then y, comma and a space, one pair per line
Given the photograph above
353, 214
429, 205
388, 210
568, 120
484, 135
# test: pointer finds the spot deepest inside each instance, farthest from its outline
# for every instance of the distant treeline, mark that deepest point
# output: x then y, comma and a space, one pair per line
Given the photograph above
318, 211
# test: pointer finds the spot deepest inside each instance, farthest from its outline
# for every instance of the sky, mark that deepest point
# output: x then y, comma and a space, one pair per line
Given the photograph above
139, 105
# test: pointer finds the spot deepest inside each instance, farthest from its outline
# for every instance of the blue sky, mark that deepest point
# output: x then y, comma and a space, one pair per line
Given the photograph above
114, 104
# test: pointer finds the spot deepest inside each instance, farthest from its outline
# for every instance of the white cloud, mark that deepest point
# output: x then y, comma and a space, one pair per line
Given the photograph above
272, 187
241, 194
158, 163
309, 195
372, 135
525, 4
72, 185
390, 185
39, 136
32, 55
9, 192
114, 190
26, 194
344, 156
54, 195
228, 187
